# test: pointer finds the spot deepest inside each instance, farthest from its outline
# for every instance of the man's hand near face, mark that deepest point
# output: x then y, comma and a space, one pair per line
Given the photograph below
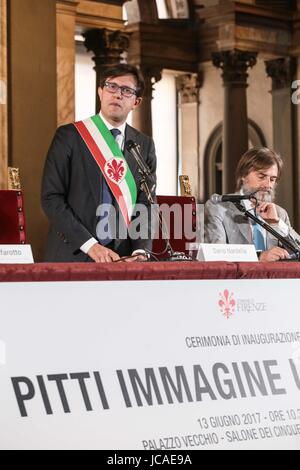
268, 212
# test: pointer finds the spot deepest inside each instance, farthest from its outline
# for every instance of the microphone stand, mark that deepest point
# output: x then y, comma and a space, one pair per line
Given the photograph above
286, 243
145, 173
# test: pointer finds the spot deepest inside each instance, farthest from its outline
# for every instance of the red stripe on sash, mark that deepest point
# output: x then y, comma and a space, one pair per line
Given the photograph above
100, 160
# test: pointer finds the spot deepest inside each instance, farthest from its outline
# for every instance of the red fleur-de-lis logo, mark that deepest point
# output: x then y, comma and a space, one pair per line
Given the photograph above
116, 169
227, 303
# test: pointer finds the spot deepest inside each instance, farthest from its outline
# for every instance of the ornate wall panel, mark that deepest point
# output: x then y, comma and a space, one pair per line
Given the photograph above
65, 32
91, 14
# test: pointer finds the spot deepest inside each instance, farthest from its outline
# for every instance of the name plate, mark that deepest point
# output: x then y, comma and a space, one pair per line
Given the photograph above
16, 254
219, 252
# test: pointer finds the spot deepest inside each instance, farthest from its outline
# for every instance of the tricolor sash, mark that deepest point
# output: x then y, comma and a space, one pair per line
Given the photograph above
111, 161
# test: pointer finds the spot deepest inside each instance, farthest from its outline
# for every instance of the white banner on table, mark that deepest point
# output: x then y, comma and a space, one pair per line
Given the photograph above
182, 365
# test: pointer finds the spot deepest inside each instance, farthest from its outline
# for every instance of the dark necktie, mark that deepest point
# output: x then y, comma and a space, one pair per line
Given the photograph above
107, 198
115, 132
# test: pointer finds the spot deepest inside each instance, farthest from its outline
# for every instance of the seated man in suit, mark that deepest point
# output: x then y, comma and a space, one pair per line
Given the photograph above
91, 182
258, 171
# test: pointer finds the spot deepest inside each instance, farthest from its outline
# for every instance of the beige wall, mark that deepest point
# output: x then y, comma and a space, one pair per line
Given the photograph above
3, 97
260, 100
32, 55
189, 125
211, 113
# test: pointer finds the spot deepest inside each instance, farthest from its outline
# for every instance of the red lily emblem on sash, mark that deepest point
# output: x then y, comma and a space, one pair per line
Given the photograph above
116, 169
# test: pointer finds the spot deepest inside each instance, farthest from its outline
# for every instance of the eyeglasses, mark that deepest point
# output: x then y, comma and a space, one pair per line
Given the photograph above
125, 90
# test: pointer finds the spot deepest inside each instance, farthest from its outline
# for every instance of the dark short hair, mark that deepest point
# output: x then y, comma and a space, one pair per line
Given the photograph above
257, 159
119, 70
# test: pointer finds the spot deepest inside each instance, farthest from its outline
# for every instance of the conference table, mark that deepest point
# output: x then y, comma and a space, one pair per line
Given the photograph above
154, 356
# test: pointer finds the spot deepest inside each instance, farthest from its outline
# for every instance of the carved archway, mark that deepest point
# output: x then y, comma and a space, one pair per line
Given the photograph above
213, 155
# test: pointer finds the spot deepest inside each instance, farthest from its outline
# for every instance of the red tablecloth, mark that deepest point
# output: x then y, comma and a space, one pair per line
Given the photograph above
145, 271
279, 270
116, 271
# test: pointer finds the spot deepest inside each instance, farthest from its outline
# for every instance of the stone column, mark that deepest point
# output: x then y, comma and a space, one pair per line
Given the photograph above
234, 65
65, 33
282, 72
109, 48
3, 96
142, 116
188, 125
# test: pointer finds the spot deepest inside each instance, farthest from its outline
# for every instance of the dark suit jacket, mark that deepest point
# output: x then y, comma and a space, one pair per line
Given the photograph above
72, 191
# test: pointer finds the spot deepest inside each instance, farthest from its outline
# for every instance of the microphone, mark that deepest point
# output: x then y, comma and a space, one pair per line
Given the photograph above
217, 198
135, 151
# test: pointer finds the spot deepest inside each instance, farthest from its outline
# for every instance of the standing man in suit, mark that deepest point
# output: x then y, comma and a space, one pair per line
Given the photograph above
258, 171
91, 182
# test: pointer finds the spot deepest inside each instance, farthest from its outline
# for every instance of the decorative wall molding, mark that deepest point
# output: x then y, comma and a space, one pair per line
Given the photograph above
67, 6
234, 65
91, 14
188, 86
108, 46
281, 71
152, 75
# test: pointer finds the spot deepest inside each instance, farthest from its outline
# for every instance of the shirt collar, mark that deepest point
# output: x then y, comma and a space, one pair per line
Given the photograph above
110, 127
247, 203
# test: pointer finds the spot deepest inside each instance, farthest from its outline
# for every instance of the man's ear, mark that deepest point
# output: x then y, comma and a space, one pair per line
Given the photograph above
138, 101
100, 91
